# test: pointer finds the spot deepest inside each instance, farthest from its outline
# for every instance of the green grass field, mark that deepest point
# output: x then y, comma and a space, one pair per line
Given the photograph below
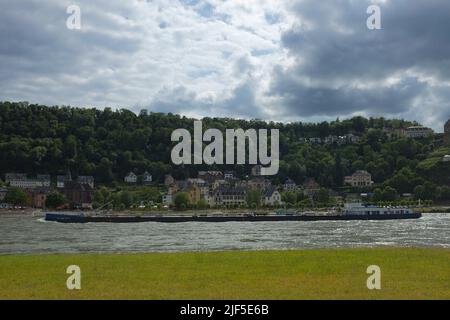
306, 274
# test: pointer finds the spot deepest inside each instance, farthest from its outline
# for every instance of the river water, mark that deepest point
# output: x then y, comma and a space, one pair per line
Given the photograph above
31, 235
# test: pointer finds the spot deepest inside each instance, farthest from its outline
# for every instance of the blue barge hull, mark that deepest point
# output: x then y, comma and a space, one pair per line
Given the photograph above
79, 218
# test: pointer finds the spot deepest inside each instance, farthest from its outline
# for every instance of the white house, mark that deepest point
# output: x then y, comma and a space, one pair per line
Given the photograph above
446, 158
131, 178
167, 199
271, 197
147, 178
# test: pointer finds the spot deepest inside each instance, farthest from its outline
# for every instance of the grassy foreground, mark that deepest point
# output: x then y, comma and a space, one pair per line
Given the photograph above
406, 273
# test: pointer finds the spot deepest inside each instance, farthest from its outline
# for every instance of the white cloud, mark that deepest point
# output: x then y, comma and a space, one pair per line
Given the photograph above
127, 53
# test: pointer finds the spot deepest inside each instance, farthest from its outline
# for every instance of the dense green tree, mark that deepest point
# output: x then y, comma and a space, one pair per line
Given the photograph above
292, 197
55, 200
444, 193
419, 192
378, 195
389, 194
322, 196
103, 198
16, 196
254, 198
202, 204
126, 199
181, 200
404, 181
338, 171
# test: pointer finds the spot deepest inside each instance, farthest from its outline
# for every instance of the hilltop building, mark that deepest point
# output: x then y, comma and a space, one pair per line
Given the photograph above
147, 178
360, 178
417, 132
393, 133
447, 133
315, 140
130, 177
289, 185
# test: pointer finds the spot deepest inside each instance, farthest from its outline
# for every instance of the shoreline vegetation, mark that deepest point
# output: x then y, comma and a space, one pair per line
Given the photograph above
406, 273
222, 211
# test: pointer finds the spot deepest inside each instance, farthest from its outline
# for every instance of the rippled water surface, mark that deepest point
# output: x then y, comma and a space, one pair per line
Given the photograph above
25, 234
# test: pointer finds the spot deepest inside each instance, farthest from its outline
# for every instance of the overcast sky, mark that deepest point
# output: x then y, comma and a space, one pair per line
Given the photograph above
276, 60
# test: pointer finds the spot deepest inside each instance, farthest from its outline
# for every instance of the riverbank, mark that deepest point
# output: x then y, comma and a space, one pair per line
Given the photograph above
41, 212
406, 273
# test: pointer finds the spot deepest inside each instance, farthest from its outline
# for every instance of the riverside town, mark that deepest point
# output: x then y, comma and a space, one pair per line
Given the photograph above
229, 150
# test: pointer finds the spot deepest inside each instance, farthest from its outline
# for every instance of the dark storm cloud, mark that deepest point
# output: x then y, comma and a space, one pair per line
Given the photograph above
36, 50
35, 32
335, 53
323, 101
241, 103
178, 100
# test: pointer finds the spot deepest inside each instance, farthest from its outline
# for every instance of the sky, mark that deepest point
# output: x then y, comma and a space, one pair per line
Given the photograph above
279, 60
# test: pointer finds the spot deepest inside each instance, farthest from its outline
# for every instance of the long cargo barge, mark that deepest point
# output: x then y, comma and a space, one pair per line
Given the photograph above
82, 218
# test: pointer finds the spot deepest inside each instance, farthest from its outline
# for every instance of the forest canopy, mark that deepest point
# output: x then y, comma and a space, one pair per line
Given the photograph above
108, 144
